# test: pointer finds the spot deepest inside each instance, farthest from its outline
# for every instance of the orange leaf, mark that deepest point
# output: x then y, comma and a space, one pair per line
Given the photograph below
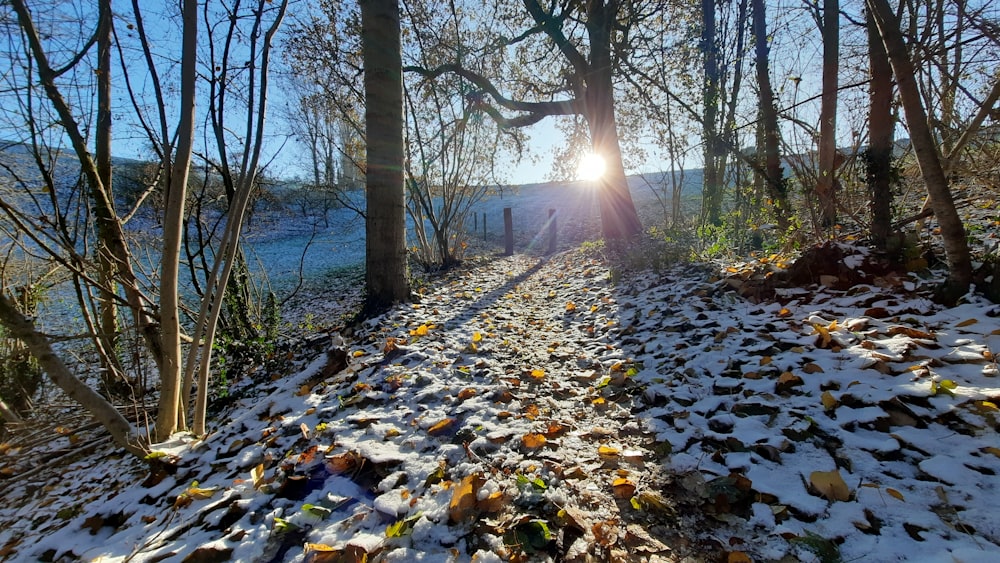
463, 498
607, 451
533, 441
895, 494
466, 393
493, 503
966, 322
623, 488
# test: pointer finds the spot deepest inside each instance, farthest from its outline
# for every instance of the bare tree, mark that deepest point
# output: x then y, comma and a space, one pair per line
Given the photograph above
928, 157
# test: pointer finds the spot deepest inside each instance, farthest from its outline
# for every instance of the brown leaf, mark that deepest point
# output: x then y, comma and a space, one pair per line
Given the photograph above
466, 393
209, 555
911, 332
623, 488
606, 532
812, 368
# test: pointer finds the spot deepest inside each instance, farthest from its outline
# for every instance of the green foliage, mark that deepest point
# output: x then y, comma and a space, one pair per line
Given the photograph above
826, 550
20, 374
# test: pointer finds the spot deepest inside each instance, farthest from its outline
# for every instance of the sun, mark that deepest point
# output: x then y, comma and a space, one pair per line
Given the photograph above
591, 167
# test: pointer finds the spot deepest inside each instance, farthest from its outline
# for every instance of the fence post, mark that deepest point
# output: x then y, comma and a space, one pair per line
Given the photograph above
552, 231
508, 232
484, 226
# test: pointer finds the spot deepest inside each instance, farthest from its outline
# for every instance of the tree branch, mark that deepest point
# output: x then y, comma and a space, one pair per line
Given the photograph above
536, 110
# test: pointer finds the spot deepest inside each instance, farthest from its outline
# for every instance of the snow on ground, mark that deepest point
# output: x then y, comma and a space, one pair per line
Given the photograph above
534, 409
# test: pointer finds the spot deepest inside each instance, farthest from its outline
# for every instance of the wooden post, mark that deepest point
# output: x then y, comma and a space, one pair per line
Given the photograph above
552, 231
508, 232
484, 226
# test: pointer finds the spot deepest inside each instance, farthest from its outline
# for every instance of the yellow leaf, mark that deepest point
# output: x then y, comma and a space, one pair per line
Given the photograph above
257, 474
830, 484
570, 306
967, 322
537, 374
533, 441
421, 330
358, 353
992, 450
895, 494
477, 336
318, 547
198, 493
599, 402
784, 312
607, 451
441, 426
829, 401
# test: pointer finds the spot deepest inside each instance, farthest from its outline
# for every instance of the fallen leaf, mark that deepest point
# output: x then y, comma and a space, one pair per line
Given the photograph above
829, 401
830, 484
466, 393
441, 426
463, 498
738, 557
967, 322
895, 494
533, 441
623, 488
812, 368
495, 502
607, 451
537, 374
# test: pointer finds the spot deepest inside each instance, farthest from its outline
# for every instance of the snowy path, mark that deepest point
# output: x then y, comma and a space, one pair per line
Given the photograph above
531, 409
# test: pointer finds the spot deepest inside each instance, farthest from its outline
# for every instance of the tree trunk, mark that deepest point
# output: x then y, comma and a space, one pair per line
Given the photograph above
826, 182
619, 219
712, 185
386, 276
170, 413
952, 231
23, 329
774, 174
880, 137
107, 337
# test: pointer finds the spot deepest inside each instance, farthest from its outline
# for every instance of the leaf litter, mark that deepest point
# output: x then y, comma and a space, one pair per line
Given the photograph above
531, 409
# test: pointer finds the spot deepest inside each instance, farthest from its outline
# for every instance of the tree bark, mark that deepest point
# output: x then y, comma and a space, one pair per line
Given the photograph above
22, 328
826, 183
952, 231
107, 270
386, 275
619, 219
774, 174
170, 414
880, 137
712, 185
